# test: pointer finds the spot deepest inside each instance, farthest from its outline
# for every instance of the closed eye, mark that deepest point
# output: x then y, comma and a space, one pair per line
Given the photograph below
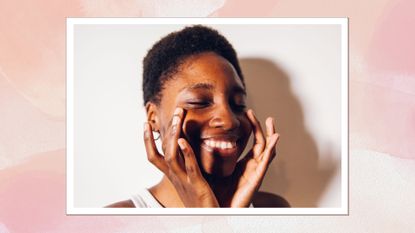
198, 104
240, 107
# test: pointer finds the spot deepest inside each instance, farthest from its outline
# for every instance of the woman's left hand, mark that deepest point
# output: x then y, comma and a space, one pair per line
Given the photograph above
250, 171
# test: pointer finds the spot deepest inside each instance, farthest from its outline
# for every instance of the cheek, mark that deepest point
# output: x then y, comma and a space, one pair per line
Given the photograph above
246, 126
191, 129
193, 123
191, 132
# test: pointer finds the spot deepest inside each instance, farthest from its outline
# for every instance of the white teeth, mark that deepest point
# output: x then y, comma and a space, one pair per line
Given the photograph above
223, 145
220, 144
217, 144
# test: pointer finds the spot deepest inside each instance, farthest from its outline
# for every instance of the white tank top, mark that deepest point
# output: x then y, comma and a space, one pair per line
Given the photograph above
144, 199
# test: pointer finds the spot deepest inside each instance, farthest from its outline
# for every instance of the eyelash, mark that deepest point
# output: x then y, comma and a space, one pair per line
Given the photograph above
240, 107
204, 104
198, 104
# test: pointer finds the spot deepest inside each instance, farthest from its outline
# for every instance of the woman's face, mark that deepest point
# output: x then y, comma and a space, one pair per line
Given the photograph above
208, 88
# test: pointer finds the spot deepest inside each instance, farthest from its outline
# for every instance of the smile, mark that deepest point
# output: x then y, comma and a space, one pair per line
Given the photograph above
219, 144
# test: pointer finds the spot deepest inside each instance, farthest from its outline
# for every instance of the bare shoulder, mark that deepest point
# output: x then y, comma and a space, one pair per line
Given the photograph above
122, 204
266, 199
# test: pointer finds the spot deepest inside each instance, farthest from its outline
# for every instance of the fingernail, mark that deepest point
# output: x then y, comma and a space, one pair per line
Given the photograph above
181, 144
175, 120
177, 111
176, 116
146, 130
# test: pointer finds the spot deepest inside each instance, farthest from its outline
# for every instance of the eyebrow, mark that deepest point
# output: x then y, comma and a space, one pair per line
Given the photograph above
239, 90
209, 86
196, 86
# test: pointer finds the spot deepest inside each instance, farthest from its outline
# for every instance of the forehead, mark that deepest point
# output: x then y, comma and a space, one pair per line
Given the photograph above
208, 68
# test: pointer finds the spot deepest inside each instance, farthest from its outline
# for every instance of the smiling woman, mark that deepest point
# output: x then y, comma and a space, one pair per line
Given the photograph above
195, 98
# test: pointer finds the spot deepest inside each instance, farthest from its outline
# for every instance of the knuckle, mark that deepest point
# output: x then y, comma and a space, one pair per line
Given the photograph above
170, 159
173, 130
152, 159
172, 177
190, 168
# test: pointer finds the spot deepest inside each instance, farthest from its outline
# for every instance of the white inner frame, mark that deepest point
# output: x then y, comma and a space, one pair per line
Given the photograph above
343, 210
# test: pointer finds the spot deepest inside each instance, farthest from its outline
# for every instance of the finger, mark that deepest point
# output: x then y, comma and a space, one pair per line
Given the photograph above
269, 152
268, 156
172, 156
192, 167
152, 153
269, 123
259, 139
270, 128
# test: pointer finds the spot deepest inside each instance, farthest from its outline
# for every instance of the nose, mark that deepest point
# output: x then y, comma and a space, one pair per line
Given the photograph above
224, 117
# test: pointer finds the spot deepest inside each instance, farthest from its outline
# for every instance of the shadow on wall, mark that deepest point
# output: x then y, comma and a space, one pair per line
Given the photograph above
295, 173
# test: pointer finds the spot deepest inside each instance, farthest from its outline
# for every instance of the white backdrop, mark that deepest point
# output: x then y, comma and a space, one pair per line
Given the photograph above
292, 73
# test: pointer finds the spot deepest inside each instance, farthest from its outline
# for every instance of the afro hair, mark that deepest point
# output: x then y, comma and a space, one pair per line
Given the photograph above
163, 60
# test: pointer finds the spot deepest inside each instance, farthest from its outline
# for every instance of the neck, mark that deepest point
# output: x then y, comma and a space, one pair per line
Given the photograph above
166, 194
222, 187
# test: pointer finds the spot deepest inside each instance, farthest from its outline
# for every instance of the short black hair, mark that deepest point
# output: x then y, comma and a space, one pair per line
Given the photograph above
165, 57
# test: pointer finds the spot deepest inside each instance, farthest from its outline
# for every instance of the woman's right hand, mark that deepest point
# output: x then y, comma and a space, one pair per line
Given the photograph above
180, 165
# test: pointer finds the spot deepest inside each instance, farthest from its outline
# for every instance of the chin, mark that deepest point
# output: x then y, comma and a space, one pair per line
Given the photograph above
220, 162
218, 167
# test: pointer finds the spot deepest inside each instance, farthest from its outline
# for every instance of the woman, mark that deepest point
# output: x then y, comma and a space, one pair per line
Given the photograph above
194, 95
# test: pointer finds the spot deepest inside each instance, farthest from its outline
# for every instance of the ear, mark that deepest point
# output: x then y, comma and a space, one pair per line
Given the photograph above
152, 116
